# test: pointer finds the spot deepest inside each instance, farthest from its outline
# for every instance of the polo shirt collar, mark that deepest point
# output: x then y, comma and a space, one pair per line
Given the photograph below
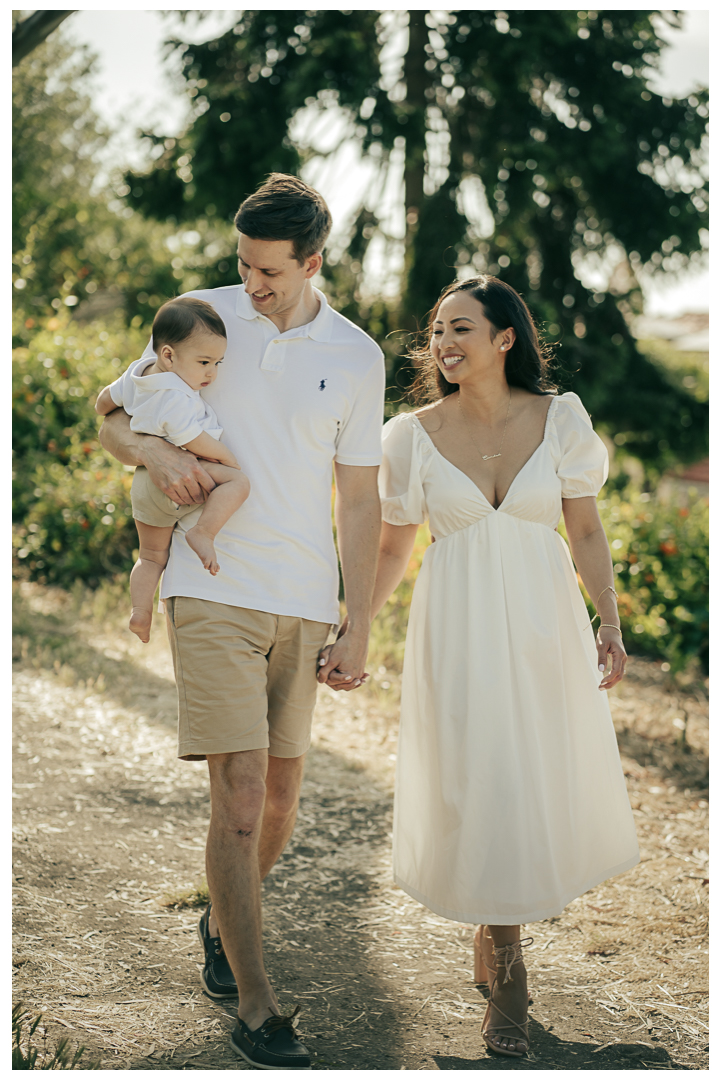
320, 329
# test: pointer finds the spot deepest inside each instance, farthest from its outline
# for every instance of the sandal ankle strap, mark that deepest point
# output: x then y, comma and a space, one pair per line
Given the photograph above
508, 956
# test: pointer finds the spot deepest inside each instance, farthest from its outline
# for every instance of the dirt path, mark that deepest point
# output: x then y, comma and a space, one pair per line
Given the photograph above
109, 825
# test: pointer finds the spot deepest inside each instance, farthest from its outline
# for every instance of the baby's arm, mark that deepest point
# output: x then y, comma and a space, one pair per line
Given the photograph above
105, 403
205, 446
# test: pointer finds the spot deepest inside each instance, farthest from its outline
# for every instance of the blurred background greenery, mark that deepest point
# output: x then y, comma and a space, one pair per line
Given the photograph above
529, 144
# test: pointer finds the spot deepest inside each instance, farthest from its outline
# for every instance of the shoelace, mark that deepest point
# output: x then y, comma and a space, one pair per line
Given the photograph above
508, 956
276, 1023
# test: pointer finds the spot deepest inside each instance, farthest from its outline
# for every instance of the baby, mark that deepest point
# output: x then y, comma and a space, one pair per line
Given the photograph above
163, 398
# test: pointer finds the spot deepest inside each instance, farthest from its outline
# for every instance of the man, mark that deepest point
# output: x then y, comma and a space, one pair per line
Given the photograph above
300, 388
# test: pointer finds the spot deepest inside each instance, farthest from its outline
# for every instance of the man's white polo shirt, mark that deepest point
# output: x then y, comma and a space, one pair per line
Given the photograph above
289, 404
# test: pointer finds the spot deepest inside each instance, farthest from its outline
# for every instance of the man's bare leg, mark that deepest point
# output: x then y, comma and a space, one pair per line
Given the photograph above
282, 797
237, 788
284, 779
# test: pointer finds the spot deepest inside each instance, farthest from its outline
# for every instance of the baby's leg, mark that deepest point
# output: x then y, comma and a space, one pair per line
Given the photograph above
152, 560
222, 502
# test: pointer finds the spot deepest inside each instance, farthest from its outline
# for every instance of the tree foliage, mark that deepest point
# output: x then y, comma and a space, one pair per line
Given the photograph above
534, 147
76, 245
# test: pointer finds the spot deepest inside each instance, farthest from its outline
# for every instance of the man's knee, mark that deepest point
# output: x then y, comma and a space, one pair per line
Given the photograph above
284, 779
282, 802
237, 794
241, 811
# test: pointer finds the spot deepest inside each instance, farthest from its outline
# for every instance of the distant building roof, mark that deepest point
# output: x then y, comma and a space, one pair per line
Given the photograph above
699, 472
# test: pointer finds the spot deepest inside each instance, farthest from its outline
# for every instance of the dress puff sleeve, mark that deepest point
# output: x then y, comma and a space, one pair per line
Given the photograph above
582, 459
401, 472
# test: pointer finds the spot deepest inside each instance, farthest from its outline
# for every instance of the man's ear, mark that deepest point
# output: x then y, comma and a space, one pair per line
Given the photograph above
313, 264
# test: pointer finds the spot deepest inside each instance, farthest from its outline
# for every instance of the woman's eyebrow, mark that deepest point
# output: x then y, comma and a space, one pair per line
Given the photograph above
463, 318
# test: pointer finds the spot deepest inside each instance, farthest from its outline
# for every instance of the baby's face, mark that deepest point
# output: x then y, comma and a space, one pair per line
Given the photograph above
195, 360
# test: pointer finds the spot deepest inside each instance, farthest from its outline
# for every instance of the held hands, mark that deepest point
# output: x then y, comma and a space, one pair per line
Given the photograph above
177, 472
612, 655
342, 665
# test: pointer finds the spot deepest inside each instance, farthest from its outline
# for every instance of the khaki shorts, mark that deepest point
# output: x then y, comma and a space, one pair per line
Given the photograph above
151, 505
246, 679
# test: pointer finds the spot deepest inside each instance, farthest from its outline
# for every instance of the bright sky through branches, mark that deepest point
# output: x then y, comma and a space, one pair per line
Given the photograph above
135, 87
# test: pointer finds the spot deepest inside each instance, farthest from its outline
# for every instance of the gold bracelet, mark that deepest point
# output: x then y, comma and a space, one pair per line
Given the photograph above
612, 590
609, 624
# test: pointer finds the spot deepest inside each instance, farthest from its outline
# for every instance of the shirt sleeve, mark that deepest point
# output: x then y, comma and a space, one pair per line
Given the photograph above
582, 457
358, 440
401, 488
171, 414
117, 390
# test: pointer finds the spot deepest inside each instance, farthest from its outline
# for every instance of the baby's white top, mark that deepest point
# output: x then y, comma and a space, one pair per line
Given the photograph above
163, 404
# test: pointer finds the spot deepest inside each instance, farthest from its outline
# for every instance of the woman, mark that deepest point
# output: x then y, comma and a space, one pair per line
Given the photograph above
510, 798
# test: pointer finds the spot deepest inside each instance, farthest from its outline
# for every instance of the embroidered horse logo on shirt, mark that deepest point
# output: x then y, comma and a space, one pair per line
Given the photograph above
322, 385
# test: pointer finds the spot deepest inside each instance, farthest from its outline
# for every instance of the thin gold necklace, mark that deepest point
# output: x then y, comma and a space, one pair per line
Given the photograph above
486, 457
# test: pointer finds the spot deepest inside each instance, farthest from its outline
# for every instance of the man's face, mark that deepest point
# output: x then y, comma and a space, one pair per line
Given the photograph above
273, 278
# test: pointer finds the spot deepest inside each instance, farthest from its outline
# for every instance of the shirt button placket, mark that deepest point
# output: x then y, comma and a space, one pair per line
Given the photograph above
274, 357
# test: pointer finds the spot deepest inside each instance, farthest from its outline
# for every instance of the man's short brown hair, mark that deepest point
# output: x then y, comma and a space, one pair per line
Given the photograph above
286, 208
178, 320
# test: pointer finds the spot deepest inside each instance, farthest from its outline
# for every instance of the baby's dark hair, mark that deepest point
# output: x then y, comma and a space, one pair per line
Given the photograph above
177, 320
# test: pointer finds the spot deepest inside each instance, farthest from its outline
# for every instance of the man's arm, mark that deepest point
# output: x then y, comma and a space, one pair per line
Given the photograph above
357, 515
174, 470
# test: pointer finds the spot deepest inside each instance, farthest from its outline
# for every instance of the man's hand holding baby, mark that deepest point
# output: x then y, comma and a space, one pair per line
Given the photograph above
175, 471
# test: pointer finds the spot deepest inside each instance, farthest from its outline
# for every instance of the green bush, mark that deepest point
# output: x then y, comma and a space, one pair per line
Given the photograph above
71, 505
661, 557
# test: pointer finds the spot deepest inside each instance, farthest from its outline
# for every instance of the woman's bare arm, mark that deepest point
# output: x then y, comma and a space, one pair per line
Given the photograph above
396, 545
174, 470
591, 553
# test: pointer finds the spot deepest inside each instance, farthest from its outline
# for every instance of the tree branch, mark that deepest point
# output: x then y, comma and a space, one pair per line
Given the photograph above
32, 31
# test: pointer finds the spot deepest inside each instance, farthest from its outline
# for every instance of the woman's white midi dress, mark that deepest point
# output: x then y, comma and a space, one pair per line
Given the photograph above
510, 798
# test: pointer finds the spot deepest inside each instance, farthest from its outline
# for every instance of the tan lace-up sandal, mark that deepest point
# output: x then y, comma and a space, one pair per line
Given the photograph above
482, 973
506, 957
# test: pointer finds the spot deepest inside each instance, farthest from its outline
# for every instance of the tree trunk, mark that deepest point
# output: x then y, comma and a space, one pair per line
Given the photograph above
32, 31
417, 81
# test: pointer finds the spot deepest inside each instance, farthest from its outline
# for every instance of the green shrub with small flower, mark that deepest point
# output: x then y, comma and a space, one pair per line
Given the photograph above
71, 504
660, 554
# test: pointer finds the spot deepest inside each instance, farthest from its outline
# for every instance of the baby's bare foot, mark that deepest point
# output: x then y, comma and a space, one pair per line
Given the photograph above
140, 623
203, 547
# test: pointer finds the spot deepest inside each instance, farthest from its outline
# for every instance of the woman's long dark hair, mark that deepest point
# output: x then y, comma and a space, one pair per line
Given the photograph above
526, 363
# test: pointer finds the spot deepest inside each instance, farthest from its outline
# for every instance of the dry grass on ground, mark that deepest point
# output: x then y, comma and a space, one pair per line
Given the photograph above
110, 826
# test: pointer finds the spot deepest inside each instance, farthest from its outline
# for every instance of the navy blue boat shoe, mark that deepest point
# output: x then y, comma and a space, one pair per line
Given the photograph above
216, 975
275, 1044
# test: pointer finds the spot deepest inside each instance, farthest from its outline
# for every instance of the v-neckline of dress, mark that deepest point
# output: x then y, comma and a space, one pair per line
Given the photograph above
495, 509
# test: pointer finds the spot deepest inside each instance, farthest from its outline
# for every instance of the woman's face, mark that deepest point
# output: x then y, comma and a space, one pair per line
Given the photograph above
464, 344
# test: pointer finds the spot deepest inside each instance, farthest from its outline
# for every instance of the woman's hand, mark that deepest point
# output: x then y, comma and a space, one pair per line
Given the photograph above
611, 653
341, 665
